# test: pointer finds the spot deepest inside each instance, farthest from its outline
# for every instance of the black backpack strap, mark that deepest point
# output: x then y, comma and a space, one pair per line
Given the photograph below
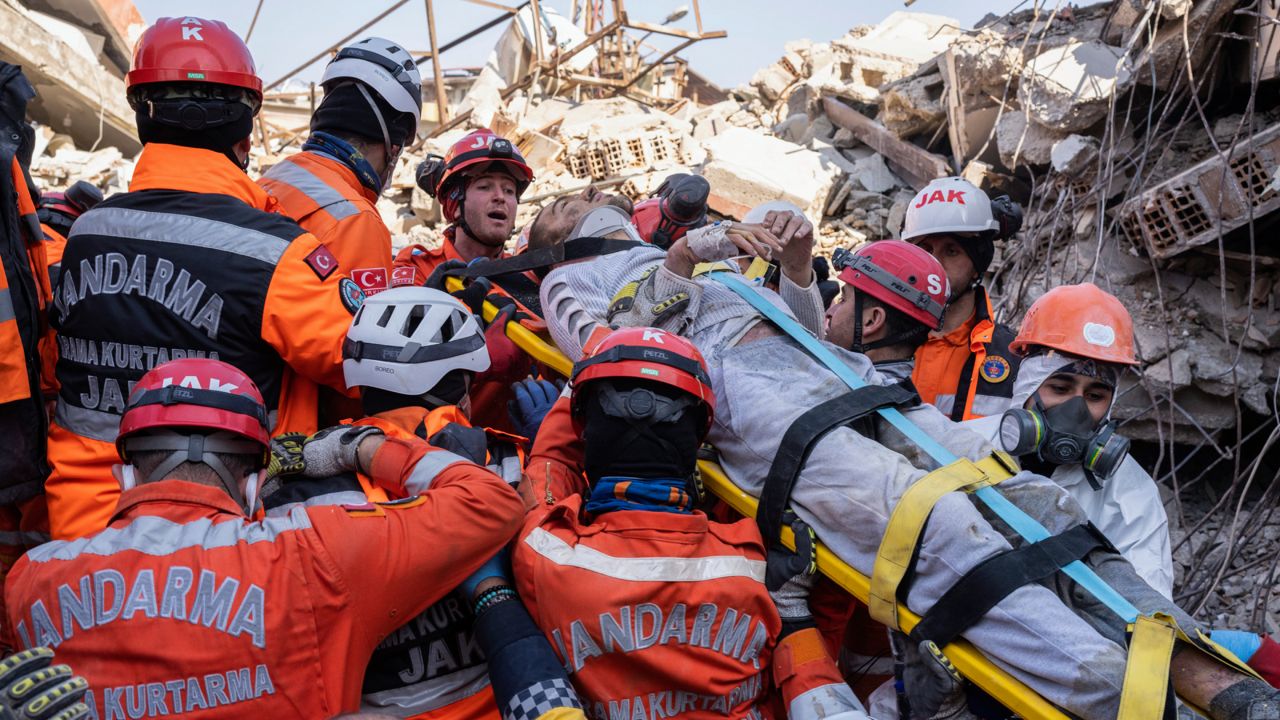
805, 432
995, 578
575, 249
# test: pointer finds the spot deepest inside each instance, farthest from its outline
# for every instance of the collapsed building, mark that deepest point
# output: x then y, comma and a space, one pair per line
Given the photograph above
1142, 137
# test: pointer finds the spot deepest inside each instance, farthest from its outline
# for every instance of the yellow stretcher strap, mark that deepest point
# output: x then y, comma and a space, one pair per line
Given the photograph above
906, 522
1146, 675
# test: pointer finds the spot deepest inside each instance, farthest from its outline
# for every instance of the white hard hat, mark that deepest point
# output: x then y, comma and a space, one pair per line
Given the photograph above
404, 340
384, 66
949, 205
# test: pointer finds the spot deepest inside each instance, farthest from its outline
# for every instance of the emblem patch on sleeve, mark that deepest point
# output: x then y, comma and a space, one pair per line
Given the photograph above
995, 369
322, 262
351, 294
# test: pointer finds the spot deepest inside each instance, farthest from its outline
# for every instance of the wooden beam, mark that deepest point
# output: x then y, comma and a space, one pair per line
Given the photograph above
472, 33
675, 32
497, 6
649, 68
915, 164
442, 102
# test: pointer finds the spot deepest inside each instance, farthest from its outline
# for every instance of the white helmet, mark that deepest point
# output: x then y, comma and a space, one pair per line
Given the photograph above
949, 205
404, 340
384, 66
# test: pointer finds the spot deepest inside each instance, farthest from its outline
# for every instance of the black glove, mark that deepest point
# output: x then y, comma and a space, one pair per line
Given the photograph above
789, 576
334, 450
33, 688
932, 684
429, 173
435, 280
286, 455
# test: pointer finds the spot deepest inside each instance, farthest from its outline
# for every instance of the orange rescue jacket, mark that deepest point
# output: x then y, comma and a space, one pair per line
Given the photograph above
327, 199
191, 262
185, 606
968, 373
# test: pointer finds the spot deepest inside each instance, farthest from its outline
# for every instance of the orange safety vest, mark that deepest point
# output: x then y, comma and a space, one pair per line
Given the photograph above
968, 373
327, 200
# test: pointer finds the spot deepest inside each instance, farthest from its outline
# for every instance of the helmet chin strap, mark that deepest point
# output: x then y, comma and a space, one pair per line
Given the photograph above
388, 157
197, 449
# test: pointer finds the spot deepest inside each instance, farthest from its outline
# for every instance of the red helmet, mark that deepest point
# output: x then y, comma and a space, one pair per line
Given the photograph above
647, 354
900, 275
195, 393
191, 49
477, 148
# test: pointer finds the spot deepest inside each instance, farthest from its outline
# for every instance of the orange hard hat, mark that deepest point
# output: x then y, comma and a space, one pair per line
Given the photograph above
1081, 320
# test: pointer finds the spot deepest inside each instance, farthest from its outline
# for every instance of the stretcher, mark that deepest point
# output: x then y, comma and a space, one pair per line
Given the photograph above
977, 669
1146, 679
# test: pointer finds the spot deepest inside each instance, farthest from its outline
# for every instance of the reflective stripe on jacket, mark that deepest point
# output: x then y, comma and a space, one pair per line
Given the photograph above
191, 262
327, 200
185, 606
432, 666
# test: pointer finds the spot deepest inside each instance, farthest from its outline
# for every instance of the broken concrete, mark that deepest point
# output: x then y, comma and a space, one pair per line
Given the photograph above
1069, 89
1074, 155
913, 106
746, 169
1024, 142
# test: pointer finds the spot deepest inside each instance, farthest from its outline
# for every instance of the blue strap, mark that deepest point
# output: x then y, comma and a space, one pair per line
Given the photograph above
1022, 523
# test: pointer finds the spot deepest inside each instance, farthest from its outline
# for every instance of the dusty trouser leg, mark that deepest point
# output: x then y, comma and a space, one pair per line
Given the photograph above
1044, 500
846, 492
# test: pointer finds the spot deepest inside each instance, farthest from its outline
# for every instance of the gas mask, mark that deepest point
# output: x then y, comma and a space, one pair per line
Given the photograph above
1065, 434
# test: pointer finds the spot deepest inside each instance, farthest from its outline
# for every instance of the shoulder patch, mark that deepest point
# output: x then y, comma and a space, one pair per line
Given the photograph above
371, 280
404, 275
322, 262
995, 369
351, 294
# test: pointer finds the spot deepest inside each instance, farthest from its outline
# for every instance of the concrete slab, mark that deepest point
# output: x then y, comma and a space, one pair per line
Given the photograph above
1069, 88
747, 168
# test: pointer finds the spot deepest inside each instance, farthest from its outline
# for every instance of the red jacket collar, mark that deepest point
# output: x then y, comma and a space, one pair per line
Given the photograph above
175, 167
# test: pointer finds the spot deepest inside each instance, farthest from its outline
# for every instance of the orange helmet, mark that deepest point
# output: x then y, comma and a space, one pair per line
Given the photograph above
647, 354
1081, 320
190, 49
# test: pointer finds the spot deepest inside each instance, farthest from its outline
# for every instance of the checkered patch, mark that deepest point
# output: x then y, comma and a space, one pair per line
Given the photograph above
541, 698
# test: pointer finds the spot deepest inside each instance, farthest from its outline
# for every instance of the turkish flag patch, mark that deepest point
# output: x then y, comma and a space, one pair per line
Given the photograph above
371, 280
322, 262
405, 275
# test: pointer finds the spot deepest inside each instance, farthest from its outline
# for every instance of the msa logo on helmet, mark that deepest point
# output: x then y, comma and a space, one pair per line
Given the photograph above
950, 196
1099, 334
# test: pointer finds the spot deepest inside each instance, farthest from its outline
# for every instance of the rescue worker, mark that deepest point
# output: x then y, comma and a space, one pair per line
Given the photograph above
1075, 342
191, 262
57, 211
894, 295
679, 621
413, 353
966, 370
184, 604
1035, 633
478, 184
25, 337
370, 111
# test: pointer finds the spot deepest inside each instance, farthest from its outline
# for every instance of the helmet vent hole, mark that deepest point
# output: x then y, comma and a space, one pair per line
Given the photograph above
387, 312
411, 323
449, 329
